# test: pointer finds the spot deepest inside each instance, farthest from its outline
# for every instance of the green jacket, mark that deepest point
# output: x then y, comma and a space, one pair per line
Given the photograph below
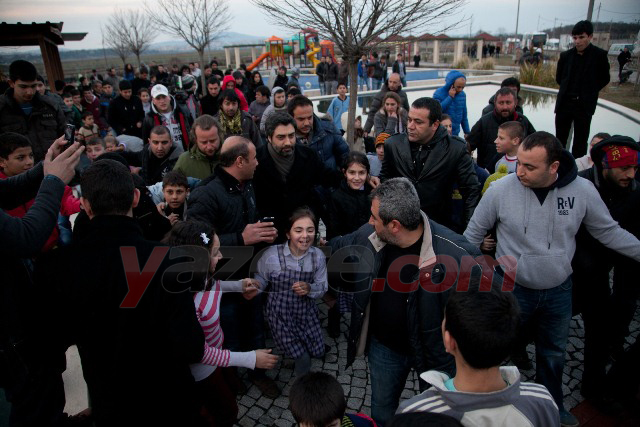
194, 163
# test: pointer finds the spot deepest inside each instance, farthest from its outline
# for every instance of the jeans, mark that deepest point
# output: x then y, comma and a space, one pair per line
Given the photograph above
323, 88
376, 84
331, 87
363, 82
389, 371
546, 313
403, 80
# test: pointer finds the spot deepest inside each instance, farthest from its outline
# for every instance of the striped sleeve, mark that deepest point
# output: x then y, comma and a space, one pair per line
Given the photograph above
207, 309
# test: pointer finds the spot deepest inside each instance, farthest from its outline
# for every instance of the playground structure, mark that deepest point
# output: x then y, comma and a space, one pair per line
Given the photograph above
303, 50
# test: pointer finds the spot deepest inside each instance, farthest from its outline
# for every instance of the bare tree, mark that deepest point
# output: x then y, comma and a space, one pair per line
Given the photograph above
134, 28
197, 22
356, 25
115, 40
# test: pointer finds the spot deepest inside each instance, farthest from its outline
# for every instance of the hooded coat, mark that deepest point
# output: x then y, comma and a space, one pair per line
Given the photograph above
244, 106
455, 107
541, 237
272, 108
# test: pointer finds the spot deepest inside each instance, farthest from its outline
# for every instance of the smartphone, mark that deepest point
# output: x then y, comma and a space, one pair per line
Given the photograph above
267, 219
69, 135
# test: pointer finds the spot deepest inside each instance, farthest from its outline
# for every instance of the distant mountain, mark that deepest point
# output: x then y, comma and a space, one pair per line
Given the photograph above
227, 38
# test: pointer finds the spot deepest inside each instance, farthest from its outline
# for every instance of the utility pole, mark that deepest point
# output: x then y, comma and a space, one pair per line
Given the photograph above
590, 10
517, 18
538, 27
554, 26
598, 17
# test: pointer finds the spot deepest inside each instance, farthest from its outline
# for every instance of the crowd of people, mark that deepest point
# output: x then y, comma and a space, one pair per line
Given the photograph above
448, 265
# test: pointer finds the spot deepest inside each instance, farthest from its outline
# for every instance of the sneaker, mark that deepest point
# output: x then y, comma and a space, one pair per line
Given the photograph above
567, 419
267, 386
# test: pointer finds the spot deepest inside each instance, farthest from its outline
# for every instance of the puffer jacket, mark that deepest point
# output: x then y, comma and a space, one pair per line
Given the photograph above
45, 124
328, 143
425, 309
455, 107
447, 162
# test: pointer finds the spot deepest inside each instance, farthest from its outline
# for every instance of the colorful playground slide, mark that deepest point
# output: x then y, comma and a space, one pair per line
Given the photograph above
258, 60
311, 54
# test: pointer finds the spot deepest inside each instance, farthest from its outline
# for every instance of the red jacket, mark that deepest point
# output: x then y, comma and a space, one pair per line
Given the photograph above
244, 106
69, 206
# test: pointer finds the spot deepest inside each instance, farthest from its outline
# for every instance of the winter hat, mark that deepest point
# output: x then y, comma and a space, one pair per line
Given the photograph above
124, 85
500, 173
381, 138
619, 156
295, 72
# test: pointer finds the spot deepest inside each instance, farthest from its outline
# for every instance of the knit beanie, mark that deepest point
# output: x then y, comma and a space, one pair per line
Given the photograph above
500, 173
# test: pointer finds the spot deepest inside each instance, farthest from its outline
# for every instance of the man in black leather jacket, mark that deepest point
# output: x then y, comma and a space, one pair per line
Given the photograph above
433, 161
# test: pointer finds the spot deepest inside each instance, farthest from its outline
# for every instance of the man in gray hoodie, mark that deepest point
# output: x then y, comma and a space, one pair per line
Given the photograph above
538, 211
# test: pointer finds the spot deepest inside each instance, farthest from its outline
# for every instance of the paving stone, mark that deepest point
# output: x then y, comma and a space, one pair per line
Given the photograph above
354, 403
282, 423
330, 366
281, 402
247, 422
254, 413
346, 388
241, 411
360, 373
357, 392
367, 401
359, 364
288, 416
254, 392
275, 412
407, 394
266, 420
264, 402
344, 379
358, 382
247, 401
577, 343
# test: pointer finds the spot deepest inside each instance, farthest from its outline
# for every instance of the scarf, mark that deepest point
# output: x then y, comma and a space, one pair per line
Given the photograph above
283, 163
231, 126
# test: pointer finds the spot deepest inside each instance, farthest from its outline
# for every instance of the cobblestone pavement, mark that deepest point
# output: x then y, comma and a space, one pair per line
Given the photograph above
257, 410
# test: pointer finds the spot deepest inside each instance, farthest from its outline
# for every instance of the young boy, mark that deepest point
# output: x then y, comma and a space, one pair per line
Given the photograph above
95, 147
317, 399
77, 108
175, 189
338, 106
510, 135
257, 107
479, 329
16, 157
375, 160
112, 144
67, 98
88, 129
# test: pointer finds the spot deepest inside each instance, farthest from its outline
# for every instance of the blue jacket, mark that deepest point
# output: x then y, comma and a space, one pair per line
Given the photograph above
362, 69
336, 109
328, 143
454, 107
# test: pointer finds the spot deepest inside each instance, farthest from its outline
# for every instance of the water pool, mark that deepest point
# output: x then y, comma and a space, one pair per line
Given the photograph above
538, 107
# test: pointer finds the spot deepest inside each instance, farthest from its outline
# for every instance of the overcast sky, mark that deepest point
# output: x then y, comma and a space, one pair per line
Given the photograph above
488, 15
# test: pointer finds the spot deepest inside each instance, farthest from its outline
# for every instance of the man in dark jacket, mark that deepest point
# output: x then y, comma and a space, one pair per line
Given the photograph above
331, 78
287, 173
159, 157
623, 57
30, 373
24, 111
209, 104
321, 72
136, 340
166, 111
433, 161
484, 133
396, 318
226, 200
126, 112
394, 84
512, 83
583, 71
400, 67
607, 314
142, 81
317, 134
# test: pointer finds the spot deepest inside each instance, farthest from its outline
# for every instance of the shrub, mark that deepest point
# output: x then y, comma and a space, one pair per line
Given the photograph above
462, 63
485, 64
538, 75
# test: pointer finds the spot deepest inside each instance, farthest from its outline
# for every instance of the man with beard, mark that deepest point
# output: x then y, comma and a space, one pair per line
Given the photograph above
484, 133
234, 121
201, 159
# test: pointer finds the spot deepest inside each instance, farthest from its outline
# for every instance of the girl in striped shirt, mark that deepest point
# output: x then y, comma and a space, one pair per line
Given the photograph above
218, 397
